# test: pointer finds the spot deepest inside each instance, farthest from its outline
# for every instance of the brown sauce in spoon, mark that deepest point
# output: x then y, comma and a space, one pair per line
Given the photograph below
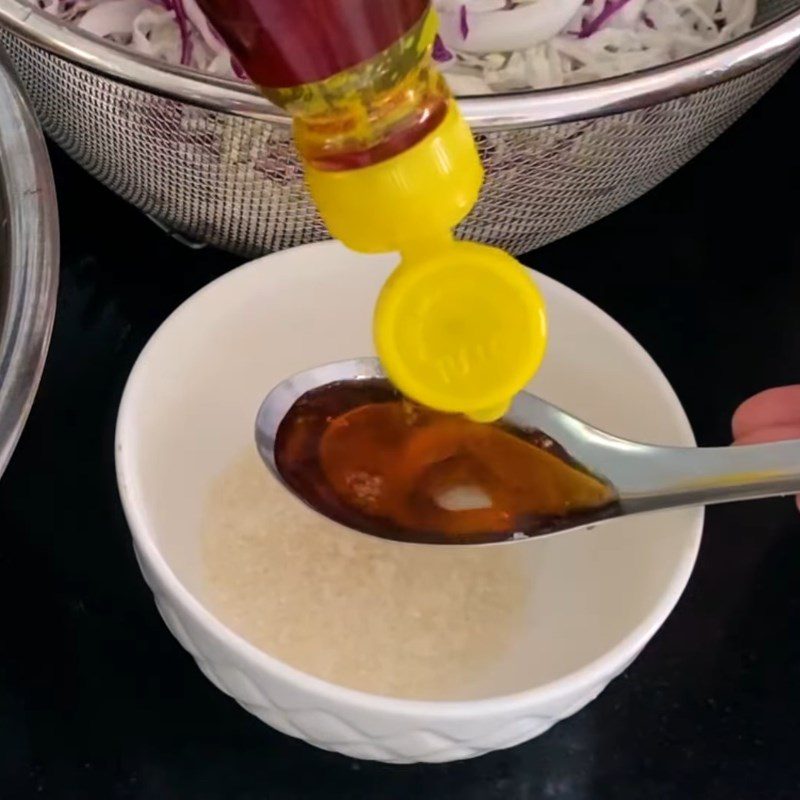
361, 454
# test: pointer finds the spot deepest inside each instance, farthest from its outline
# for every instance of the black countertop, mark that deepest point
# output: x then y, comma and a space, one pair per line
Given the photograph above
97, 700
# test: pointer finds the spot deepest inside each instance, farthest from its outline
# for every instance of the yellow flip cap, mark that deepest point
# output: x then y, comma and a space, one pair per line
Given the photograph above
462, 330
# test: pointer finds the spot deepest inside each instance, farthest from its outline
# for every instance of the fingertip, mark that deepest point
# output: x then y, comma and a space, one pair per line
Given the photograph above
776, 433
770, 409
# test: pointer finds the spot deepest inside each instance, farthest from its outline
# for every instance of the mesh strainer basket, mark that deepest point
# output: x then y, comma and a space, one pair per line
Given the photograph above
212, 161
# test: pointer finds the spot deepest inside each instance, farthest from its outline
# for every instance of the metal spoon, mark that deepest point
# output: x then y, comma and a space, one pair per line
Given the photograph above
646, 477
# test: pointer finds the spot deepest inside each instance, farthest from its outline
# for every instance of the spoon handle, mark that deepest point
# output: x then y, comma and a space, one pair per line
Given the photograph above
663, 477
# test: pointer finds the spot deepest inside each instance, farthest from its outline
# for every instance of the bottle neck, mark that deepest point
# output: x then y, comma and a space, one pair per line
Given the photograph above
371, 112
368, 129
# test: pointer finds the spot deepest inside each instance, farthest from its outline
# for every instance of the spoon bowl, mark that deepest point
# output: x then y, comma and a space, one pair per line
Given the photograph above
645, 477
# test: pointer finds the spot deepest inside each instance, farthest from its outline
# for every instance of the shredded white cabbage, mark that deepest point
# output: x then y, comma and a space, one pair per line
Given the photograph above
175, 31
602, 38
486, 45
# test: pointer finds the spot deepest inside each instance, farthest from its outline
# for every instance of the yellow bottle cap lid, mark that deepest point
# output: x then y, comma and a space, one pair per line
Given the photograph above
461, 329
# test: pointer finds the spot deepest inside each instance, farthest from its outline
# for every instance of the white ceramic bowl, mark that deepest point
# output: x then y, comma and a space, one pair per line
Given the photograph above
188, 412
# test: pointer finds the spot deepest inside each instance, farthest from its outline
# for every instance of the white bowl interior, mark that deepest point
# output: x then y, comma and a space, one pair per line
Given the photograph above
191, 403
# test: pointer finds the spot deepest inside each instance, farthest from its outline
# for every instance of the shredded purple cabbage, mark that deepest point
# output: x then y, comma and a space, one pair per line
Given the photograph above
238, 70
609, 9
463, 21
440, 52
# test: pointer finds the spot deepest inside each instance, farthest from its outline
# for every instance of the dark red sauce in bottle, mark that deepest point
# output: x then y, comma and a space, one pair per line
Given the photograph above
285, 43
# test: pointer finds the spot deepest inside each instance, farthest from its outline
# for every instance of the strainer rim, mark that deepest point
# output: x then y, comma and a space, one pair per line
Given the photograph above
490, 112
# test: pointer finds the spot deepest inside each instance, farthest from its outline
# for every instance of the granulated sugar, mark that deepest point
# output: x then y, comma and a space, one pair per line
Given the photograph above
383, 617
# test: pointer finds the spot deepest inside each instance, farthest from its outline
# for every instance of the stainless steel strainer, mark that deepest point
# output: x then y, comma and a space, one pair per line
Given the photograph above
212, 161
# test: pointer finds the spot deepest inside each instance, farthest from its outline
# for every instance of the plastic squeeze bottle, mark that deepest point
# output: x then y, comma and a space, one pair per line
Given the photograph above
392, 166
